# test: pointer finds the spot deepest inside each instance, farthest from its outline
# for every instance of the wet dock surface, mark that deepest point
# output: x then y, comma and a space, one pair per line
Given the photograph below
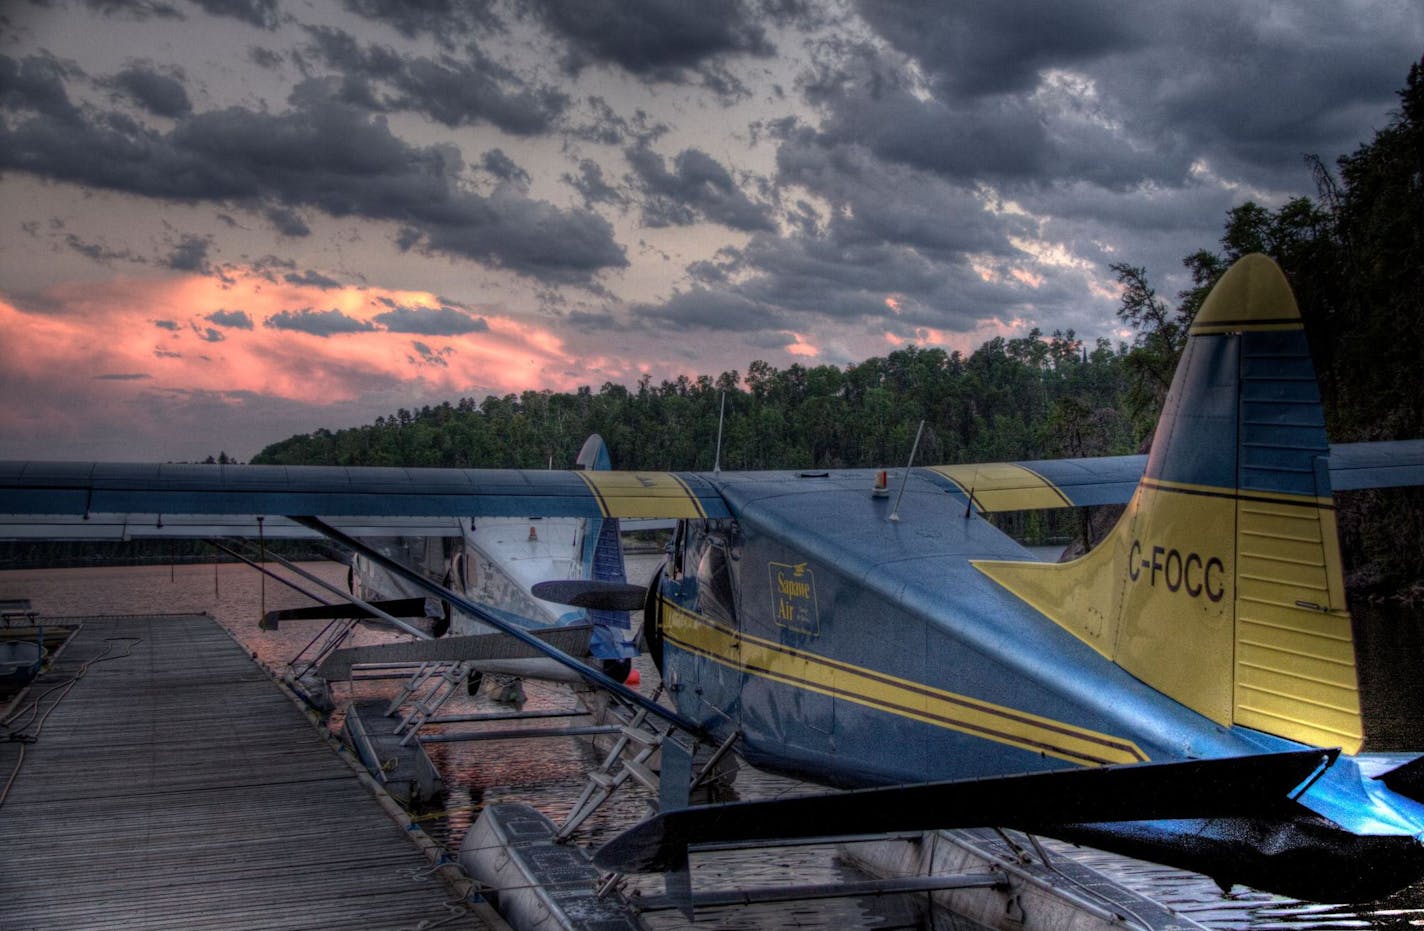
175, 786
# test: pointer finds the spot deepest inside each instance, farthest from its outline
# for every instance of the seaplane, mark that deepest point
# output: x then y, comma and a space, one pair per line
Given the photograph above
503, 564
1185, 692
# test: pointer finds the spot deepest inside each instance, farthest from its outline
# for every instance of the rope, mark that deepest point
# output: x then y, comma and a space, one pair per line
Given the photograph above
24, 739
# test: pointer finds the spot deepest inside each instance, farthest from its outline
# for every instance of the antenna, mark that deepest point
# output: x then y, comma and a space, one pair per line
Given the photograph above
721, 415
895, 512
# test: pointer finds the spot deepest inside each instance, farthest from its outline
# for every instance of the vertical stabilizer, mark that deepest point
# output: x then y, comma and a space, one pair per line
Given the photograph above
1221, 585
603, 561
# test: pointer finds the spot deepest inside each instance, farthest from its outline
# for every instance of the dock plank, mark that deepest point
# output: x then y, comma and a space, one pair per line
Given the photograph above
176, 787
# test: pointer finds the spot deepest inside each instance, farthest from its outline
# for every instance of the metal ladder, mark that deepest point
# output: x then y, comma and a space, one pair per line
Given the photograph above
432, 685
617, 768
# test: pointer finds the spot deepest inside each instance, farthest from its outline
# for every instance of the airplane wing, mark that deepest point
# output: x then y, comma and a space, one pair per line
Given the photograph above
1137, 792
81, 500
1060, 483
119, 501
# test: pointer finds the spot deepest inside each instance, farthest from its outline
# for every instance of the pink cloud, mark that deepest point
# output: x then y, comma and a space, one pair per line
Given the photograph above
118, 364
125, 326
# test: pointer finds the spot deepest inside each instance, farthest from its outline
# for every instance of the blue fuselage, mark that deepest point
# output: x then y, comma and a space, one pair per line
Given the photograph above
852, 650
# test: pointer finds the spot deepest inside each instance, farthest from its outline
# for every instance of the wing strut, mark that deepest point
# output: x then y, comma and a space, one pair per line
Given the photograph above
374, 611
593, 676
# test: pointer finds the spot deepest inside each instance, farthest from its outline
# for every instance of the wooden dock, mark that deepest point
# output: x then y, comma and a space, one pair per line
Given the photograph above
175, 786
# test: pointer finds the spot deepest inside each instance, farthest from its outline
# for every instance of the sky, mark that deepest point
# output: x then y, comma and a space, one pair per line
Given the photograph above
223, 222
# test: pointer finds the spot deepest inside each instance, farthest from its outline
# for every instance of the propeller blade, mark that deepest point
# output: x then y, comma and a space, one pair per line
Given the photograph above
591, 593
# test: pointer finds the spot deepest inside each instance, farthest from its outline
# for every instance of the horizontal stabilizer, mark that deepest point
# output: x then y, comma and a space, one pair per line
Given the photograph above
570, 640
1093, 481
396, 607
593, 594
1137, 792
1407, 780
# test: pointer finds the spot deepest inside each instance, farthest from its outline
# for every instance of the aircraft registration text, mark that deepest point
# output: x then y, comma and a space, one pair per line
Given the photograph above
1177, 571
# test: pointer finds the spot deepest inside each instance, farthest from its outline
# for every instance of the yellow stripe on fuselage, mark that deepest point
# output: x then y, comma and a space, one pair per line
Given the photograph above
1003, 486
643, 494
881, 692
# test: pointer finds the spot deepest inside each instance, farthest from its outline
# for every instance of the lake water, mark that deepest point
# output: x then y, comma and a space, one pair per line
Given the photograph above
549, 773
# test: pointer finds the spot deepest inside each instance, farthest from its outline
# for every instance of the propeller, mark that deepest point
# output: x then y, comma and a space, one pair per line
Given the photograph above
591, 593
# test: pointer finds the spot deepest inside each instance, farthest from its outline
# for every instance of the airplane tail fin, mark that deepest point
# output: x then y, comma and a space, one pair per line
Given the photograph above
603, 562
1221, 586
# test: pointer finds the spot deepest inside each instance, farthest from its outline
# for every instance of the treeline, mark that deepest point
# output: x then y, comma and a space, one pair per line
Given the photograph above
1354, 254
1009, 399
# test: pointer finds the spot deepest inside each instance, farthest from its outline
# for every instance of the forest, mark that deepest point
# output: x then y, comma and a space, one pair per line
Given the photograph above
1353, 251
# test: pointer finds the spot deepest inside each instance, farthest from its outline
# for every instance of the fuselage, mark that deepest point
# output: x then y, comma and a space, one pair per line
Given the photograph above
853, 650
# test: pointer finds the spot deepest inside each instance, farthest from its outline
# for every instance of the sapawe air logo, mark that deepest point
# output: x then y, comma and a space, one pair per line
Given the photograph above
793, 596
1196, 575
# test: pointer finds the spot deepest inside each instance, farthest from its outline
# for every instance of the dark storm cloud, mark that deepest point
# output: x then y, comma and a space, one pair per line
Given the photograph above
35, 84
461, 92
705, 309
208, 334
781, 283
170, 325
266, 266
322, 154
1106, 132
699, 187
1001, 47
321, 323
1244, 87
594, 321
159, 94
431, 321
287, 222
720, 268
1004, 139
99, 252
311, 279
440, 19
260, 13
607, 127
658, 39
135, 9
592, 186
504, 168
235, 319
189, 255
123, 376
264, 57
427, 356
454, 90
875, 202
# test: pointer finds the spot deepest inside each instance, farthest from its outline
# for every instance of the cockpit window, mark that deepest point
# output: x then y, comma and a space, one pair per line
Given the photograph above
715, 591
